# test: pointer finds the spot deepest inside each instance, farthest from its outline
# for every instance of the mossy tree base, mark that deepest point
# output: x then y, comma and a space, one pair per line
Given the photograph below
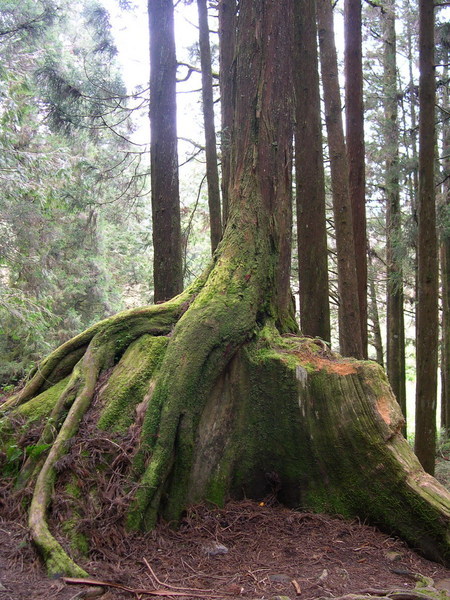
283, 417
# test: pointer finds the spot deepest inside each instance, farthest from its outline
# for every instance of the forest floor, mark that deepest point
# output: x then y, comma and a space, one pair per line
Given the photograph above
246, 550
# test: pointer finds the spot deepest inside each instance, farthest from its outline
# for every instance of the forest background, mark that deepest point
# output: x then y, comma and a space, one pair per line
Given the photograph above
75, 211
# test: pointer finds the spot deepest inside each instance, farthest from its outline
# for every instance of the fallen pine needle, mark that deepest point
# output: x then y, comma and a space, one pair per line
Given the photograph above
298, 589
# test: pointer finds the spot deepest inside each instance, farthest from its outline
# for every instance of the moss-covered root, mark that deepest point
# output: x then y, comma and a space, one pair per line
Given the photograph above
110, 340
57, 561
203, 342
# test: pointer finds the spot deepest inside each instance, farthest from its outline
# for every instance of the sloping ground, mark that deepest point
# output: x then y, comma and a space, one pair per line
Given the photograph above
246, 550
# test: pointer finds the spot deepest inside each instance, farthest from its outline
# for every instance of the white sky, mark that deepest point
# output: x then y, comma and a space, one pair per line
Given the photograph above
130, 30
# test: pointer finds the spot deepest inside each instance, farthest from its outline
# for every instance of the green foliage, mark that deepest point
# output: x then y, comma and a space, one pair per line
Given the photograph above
13, 460
70, 237
14, 456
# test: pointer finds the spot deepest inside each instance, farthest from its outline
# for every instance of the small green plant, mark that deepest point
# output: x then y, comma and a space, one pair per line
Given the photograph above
13, 460
14, 456
5, 389
35, 450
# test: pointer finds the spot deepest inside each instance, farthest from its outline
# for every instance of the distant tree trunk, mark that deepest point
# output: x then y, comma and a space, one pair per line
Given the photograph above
377, 340
310, 185
412, 133
167, 261
349, 321
212, 172
445, 346
411, 129
445, 250
227, 42
427, 308
395, 326
354, 123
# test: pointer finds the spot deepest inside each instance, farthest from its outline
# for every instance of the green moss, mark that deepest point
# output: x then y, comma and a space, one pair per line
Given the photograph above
129, 382
73, 489
218, 490
78, 541
43, 404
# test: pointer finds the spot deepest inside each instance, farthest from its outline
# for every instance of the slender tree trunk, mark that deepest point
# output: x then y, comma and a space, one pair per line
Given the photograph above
411, 132
427, 308
395, 340
310, 185
227, 41
354, 124
167, 253
377, 340
349, 320
445, 253
212, 172
445, 346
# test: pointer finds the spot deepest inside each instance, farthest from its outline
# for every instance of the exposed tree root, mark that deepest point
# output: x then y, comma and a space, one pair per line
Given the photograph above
101, 345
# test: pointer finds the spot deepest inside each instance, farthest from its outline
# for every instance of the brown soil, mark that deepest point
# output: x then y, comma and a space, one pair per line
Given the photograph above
246, 550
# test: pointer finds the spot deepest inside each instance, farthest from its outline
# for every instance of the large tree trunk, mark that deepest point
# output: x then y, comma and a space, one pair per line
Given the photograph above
309, 174
203, 397
212, 171
167, 255
395, 345
227, 40
427, 268
354, 126
350, 339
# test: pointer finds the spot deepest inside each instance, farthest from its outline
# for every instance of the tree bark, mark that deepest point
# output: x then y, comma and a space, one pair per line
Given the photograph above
445, 347
394, 242
354, 126
427, 307
227, 41
167, 253
445, 249
350, 339
377, 340
310, 185
212, 172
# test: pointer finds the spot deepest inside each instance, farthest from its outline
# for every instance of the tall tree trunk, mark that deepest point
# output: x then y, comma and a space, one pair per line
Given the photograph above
427, 307
445, 248
212, 172
310, 185
350, 340
167, 252
227, 40
354, 125
395, 326
445, 346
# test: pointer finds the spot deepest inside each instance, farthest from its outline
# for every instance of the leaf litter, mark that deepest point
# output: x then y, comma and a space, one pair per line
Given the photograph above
267, 551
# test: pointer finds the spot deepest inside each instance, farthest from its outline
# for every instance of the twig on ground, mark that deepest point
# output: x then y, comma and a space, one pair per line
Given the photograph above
136, 592
173, 587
